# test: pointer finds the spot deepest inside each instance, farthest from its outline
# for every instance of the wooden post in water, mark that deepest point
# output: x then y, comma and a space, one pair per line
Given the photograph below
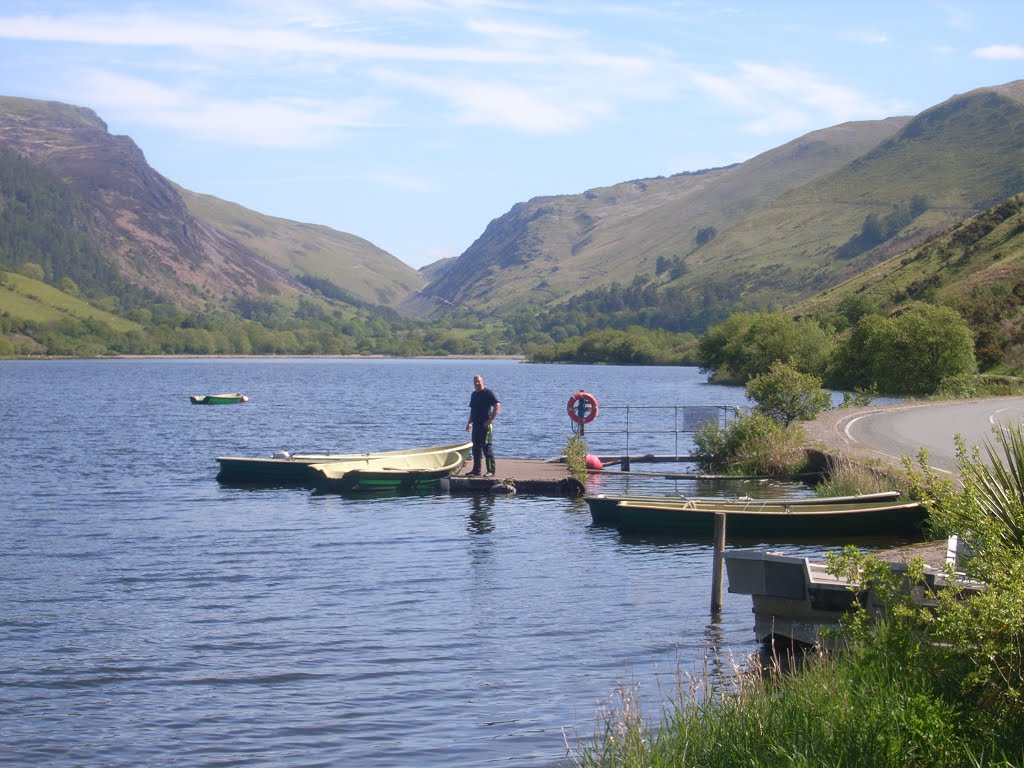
719, 563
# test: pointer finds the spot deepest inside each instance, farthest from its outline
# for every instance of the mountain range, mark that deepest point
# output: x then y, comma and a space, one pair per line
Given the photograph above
770, 232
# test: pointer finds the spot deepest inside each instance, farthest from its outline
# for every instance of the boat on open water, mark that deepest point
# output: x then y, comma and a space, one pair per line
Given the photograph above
225, 398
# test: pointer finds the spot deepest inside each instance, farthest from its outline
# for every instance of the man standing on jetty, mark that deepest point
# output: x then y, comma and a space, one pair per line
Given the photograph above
483, 409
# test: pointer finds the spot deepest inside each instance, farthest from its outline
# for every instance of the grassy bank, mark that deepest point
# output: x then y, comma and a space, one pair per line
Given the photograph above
858, 709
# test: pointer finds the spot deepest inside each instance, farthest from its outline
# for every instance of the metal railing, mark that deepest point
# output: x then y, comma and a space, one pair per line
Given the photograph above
631, 421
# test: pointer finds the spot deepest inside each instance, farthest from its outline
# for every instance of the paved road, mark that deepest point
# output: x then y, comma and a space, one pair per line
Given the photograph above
894, 431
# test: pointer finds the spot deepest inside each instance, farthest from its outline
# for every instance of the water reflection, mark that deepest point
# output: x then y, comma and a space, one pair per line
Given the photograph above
720, 671
480, 520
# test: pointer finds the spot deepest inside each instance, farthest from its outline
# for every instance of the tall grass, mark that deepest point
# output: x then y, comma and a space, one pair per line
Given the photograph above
844, 478
838, 711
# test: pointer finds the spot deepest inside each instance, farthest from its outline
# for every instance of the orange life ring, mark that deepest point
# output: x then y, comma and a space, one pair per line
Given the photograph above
582, 407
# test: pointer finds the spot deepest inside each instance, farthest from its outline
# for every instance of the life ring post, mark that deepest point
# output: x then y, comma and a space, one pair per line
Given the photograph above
582, 409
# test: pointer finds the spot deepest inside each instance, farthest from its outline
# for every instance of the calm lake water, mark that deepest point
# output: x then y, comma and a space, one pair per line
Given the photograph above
150, 616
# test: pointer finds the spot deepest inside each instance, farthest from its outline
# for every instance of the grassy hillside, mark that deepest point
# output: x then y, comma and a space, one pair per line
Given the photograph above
975, 267
22, 298
358, 266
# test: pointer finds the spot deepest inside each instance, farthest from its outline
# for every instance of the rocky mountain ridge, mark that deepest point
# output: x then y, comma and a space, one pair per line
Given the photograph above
143, 223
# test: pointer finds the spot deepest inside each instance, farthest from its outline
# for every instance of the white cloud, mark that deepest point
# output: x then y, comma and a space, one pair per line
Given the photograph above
776, 99
1001, 52
151, 31
531, 109
484, 70
261, 122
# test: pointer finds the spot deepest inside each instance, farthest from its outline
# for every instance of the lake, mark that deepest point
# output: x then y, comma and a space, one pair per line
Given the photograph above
151, 616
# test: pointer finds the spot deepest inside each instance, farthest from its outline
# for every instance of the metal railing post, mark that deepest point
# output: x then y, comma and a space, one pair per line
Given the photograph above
625, 460
675, 427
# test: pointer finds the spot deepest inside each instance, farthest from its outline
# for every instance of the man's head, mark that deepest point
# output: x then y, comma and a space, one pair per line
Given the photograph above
478, 382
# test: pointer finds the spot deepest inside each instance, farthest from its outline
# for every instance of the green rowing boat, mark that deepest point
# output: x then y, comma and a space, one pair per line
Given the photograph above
225, 398
411, 472
768, 520
285, 468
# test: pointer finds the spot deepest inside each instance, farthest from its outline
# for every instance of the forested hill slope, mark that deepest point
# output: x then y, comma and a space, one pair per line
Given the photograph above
976, 267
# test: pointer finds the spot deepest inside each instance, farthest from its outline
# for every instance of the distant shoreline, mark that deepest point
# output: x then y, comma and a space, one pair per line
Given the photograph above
270, 357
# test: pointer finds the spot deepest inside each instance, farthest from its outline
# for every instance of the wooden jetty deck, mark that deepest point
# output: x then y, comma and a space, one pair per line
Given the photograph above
535, 476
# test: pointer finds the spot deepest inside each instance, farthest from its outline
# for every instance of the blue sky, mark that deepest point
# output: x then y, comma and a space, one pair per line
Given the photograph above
414, 123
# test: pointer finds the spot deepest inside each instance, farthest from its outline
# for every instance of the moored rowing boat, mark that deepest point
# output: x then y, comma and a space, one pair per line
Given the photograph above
294, 469
396, 473
767, 520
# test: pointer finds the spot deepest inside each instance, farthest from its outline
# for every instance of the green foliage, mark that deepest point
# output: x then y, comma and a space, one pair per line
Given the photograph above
975, 267
705, 235
68, 285
636, 346
987, 310
33, 271
752, 444
973, 645
989, 513
746, 344
576, 457
786, 395
908, 354
928, 676
850, 310
42, 221
968, 385
855, 400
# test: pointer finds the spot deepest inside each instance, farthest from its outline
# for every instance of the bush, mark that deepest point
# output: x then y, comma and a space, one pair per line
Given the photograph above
910, 353
746, 344
752, 444
786, 395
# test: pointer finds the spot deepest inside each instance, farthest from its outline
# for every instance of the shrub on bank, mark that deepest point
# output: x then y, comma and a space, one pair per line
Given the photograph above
752, 444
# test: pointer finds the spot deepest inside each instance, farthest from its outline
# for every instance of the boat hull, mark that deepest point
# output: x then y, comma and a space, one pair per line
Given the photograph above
228, 398
382, 481
387, 474
768, 522
295, 469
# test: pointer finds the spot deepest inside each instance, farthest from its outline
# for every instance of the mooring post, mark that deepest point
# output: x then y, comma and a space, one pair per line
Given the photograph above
719, 562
